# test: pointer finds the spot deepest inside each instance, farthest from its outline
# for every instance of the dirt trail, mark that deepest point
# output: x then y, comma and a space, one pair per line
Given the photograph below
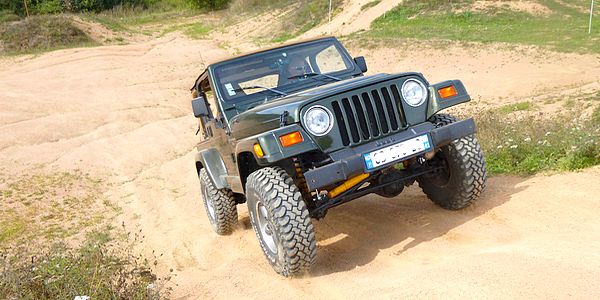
123, 112
352, 18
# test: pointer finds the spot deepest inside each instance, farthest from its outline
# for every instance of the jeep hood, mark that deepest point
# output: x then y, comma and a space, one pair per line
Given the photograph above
267, 116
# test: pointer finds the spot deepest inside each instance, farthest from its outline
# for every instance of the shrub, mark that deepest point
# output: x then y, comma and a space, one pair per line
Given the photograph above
209, 4
41, 33
8, 16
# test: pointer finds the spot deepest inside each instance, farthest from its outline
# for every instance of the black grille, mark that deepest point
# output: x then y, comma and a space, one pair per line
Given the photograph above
369, 115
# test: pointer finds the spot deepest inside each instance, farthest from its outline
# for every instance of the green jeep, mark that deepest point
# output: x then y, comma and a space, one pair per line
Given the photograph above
296, 130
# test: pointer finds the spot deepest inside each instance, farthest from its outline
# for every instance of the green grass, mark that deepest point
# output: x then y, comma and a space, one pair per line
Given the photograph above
369, 4
130, 19
521, 106
565, 29
192, 30
596, 116
308, 15
534, 144
11, 229
98, 268
197, 30
56, 242
41, 33
8, 16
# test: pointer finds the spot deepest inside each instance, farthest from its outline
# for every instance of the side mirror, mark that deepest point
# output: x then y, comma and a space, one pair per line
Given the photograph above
361, 63
200, 108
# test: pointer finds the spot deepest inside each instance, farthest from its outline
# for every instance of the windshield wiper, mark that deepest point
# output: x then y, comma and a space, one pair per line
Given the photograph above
313, 74
243, 88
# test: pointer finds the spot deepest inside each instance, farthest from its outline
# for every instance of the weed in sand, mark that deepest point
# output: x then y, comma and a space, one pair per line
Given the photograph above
532, 144
55, 242
308, 15
521, 106
100, 268
370, 4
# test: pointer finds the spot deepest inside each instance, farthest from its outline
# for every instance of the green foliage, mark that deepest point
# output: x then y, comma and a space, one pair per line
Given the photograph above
197, 30
98, 269
55, 242
57, 6
245, 6
309, 14
521, 106
209, 4
48, 7
533, 144
13, 6
596, 116
10, 229
41, 33
8, 16
565, 29
370, 4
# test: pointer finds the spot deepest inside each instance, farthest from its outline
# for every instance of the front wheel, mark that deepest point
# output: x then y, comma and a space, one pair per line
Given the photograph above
462, 178
220, 205
281, 221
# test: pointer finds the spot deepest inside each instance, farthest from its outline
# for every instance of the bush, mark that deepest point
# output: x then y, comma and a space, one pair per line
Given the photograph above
49, 7
209, 4
100, 5
57, 6
41, 33
8, 16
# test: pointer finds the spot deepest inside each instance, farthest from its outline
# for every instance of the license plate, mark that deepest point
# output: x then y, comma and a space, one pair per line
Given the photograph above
397, 151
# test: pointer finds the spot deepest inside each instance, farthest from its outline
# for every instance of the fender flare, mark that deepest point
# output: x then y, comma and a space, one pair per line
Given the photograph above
436, 103
211, 160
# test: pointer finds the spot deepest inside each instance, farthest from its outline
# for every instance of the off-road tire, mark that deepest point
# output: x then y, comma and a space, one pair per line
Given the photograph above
275, 204
219, 204
466, 168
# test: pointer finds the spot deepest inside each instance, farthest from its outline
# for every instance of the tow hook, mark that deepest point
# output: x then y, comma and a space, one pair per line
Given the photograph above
425, 157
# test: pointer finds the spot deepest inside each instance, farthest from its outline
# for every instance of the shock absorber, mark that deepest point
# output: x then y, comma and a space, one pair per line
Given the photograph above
301, 181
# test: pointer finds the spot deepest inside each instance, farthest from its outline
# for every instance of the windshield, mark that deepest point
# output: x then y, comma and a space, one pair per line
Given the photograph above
274, 73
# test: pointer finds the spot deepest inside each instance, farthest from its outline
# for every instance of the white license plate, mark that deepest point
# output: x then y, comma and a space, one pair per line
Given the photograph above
397, 151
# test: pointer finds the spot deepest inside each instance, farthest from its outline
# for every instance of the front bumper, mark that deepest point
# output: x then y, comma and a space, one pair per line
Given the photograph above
349, 162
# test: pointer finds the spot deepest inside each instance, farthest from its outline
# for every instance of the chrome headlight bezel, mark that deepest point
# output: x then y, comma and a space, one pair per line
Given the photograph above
423, 89
327, 112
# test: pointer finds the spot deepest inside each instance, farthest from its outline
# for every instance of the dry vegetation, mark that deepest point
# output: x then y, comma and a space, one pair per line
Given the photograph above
56, 242
41, 33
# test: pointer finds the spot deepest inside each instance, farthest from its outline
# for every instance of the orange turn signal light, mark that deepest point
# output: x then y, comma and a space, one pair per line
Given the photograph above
258, 151
291, 139
447, 92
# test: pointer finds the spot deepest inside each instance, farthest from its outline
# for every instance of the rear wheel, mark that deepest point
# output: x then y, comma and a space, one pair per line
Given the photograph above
281, 221
220, 205
462, 180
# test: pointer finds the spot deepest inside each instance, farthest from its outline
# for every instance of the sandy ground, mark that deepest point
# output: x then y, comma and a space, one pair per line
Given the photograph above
123, 112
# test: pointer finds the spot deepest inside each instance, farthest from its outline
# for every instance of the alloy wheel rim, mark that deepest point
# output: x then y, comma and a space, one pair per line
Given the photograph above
209, 204
265, 228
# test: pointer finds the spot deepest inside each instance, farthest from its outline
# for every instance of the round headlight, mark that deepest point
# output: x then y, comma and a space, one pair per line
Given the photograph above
318, 120
414, 92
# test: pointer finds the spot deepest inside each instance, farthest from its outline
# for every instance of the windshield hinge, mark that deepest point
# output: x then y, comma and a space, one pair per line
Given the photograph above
283, 118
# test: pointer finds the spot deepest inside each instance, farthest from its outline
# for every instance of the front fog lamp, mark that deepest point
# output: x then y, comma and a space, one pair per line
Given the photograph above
414, 92
318, 120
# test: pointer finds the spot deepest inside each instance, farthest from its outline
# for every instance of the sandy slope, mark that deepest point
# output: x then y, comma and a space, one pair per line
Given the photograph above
123, 112
353, 18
